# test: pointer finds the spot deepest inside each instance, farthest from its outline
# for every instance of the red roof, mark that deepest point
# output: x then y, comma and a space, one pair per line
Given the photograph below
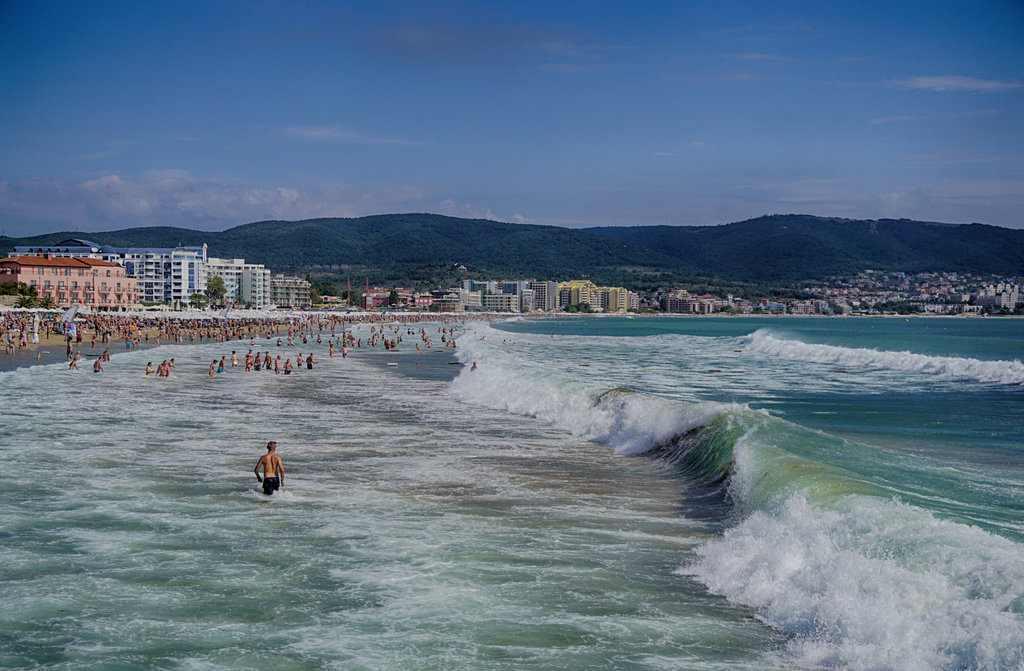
58, 262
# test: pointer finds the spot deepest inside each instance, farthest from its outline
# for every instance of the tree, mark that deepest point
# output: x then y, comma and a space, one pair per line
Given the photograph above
26, 301
47, 302
393, 298
216, 289
197, 301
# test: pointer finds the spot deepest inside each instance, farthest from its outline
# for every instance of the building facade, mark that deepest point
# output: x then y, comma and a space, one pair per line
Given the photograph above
164, 274
94, 283
545, 296
289, 292
606, 299
501, 302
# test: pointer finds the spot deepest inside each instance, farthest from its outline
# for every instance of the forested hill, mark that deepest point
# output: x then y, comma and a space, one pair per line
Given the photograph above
772, 249
402, 241
786, 248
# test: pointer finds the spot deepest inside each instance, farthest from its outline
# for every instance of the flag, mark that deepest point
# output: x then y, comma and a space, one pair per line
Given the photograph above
69, 314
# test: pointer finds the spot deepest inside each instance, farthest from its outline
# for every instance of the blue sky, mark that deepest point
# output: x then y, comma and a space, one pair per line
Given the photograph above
213, 114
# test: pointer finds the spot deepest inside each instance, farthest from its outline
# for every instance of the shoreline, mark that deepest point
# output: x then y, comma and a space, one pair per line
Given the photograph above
52, 348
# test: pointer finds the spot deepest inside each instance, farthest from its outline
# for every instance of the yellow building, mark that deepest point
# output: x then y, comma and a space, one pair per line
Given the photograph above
606, 299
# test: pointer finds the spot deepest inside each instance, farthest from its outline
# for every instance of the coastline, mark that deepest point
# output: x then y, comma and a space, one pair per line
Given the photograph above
51, 349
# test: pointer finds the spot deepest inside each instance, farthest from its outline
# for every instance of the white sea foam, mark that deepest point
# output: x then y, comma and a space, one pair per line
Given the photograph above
872, 584
765, 342
628, 422
858, 581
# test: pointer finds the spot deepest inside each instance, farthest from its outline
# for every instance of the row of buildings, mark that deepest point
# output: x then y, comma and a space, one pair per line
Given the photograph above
507, 296
929, 292
868, 292
104, 277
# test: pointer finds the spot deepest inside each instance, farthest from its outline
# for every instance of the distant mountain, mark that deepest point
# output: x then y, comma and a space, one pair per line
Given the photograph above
772, 249
401, 241
789, 248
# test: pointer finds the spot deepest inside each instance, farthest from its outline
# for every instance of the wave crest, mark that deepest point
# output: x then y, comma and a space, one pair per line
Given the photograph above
763, 341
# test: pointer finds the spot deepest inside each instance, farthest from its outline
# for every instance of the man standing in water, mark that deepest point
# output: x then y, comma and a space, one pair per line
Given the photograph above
273, 470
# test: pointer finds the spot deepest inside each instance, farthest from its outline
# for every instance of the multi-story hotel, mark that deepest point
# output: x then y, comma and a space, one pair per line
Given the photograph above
164, 275
607, 299
545, 296
95, 283
244, 283
501, 302
289, 292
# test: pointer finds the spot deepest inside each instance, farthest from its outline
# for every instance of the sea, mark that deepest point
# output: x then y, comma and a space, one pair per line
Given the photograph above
606, 493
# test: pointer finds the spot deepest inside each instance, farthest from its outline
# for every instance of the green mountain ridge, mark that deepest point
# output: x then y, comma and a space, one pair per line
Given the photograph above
769, 249
787, 248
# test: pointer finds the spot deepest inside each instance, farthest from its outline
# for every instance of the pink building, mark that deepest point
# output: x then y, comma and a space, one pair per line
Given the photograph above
100, 285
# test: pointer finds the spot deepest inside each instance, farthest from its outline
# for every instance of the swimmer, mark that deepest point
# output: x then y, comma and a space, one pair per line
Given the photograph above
273, 470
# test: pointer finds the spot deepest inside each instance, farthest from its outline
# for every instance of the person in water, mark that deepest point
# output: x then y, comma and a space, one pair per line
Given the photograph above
273, 470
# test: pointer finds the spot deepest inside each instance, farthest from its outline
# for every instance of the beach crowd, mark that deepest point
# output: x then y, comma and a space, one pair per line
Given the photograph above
128, 331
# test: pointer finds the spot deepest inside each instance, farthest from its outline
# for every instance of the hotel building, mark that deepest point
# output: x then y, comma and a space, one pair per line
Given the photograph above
95, 283
164, 275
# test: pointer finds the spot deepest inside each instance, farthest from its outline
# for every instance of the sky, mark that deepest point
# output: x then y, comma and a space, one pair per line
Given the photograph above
207, 115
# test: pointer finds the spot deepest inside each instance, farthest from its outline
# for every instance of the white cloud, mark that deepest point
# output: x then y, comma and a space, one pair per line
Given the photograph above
904, 118
175, 198
755, 56
114, 148
454, 209
342, 134
954, 83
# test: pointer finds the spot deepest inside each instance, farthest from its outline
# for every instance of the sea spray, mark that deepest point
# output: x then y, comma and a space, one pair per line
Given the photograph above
630, 423
873, 584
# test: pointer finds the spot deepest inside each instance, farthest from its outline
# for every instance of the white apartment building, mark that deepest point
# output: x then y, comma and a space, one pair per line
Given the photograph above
545, 296
164, 274
244, 282
255, 289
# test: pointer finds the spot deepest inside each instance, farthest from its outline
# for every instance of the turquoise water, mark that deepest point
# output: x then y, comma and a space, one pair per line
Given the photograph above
600, 493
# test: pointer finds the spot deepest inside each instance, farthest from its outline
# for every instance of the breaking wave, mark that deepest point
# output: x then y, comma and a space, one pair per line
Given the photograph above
858, 579
765, 342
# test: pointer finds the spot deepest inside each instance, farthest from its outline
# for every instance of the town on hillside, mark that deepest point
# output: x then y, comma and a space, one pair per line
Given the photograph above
107, 278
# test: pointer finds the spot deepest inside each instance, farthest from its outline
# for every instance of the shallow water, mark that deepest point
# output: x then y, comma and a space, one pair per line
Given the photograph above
506, 520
